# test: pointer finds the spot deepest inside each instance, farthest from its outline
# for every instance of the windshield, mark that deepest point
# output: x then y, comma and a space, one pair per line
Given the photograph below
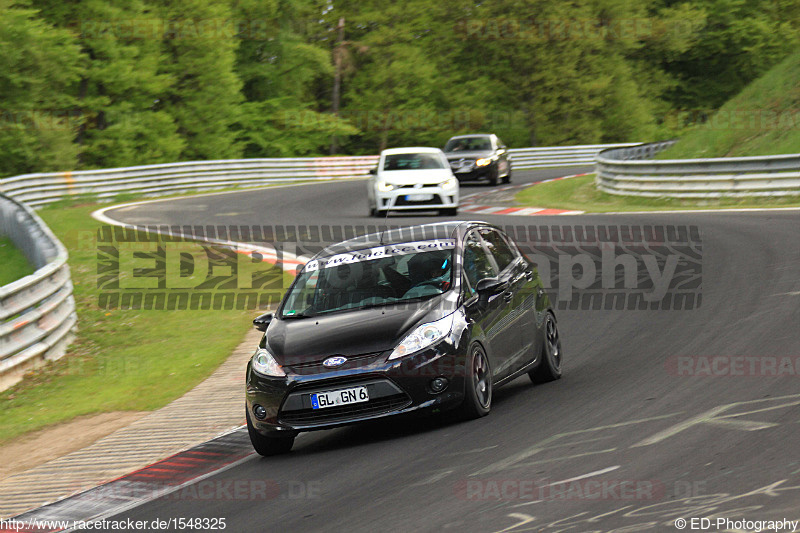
468, 144
412, 162
373, 277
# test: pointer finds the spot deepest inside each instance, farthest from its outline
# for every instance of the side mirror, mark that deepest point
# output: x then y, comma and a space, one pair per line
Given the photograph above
488, 287
373, 171
261, 322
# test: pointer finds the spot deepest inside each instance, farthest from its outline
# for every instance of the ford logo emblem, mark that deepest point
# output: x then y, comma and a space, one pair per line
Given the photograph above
331, 362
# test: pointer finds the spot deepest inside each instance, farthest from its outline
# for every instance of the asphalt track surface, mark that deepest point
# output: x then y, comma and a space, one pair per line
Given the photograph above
620, 441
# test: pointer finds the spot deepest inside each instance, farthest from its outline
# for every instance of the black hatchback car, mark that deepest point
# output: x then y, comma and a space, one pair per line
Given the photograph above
414, 320
478, 157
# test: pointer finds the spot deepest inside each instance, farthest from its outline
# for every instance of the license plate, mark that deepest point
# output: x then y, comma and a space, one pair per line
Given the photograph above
321, 400
419, 197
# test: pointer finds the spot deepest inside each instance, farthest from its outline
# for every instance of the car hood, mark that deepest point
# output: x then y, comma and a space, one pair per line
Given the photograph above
349, 333
455, 156
410, 177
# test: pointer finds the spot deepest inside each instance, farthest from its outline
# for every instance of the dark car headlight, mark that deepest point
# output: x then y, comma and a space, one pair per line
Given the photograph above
483, 162
264, 363
424, 336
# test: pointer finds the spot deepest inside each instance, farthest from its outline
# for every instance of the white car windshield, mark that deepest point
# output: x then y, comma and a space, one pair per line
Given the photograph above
412, 162
373, 277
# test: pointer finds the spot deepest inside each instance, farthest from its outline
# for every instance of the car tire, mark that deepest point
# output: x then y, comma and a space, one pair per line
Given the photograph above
379, 213
372, 211
507, 177
477, 384
449, 212
267, 446
549, 369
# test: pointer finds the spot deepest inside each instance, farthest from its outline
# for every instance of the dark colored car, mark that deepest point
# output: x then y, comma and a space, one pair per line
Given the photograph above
478, 157
416, 320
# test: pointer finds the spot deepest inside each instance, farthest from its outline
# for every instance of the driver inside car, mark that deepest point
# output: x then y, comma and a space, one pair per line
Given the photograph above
429, 274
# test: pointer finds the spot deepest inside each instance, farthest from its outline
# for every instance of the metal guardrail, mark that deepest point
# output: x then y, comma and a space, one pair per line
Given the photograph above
153, 180
558, 156
37, 312
631, 171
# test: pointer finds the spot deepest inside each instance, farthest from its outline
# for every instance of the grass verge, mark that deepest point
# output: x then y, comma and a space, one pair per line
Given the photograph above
580, 194
761, 120
137, 360
15, 265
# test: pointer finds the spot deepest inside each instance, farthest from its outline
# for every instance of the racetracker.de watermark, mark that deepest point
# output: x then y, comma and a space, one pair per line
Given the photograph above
154, 28
212, 490
565, 29
582, 267
543, 490
393, 119
733, 366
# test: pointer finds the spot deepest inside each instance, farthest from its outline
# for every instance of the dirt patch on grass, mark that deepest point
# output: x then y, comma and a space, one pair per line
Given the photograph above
33, 449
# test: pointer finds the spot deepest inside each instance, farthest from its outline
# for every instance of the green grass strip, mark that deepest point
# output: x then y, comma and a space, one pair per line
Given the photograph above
14, 264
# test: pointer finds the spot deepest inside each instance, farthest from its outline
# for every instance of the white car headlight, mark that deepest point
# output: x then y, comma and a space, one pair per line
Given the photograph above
482, 162
385, 187
449, 183
424, 336
265, 364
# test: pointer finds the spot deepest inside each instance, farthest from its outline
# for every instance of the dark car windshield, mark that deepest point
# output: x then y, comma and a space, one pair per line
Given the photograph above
372, 277
468, 144
412, 161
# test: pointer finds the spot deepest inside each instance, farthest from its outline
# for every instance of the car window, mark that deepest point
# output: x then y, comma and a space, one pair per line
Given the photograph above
371, 277
498, 247
477, 264
412, 162
468, 144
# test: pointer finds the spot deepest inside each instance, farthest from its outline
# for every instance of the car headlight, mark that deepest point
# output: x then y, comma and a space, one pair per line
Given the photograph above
449, 183
424, 336
385, 187
265, 364
482, 162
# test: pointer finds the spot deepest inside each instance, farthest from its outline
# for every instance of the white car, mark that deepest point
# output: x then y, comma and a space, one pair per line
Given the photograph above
412, 178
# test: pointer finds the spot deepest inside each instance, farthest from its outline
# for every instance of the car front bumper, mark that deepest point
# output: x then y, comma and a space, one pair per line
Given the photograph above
475, 173
403, 198
401, 386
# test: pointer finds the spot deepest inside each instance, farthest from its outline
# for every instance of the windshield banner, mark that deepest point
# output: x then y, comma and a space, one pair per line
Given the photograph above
379, 252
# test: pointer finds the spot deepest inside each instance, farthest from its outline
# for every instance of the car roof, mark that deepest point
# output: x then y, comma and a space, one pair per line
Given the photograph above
412, 150
471, 135
423, 232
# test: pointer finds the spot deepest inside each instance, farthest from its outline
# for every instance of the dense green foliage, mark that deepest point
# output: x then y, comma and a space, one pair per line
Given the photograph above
763, 119
101, 83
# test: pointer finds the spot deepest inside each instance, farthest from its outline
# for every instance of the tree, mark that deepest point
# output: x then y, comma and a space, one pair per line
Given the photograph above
39, 68
280, 68
204, 98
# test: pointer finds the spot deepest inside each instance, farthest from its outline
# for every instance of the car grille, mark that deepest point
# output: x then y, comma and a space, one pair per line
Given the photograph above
436, 200
416, 187
342, 413
358, 360
458, 165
